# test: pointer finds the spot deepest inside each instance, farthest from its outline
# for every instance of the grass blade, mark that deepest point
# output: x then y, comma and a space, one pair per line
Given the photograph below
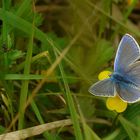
70, 102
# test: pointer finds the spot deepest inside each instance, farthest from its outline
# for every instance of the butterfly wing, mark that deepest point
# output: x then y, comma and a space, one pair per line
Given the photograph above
128, 92
128, 52
103, 88
126, 64
133, 73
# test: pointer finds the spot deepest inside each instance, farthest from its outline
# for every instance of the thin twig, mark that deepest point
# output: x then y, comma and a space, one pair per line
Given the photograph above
33, 131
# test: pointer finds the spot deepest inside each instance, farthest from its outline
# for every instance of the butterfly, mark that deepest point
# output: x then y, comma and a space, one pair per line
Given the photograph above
125, 80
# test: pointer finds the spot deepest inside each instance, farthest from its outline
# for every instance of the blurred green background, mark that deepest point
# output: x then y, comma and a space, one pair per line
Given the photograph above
51, 52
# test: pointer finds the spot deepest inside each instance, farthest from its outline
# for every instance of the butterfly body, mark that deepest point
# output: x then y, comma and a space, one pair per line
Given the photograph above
120, 79
125, 81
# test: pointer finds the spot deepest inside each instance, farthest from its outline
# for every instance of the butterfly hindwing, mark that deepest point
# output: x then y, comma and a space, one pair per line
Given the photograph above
103, 88
133, 73
128, 92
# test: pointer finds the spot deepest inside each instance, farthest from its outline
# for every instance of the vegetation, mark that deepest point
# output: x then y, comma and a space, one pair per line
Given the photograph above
50, 54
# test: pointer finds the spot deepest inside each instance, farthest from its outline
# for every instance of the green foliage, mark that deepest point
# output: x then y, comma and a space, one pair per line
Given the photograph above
50, 53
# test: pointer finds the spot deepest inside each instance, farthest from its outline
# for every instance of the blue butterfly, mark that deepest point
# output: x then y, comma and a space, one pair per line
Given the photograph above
125, 80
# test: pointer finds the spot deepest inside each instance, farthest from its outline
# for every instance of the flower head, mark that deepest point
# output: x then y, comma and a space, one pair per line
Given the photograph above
113, 103
104, 75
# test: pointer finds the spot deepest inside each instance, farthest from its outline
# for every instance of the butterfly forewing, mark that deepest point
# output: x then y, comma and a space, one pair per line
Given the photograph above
103, 88
128, 52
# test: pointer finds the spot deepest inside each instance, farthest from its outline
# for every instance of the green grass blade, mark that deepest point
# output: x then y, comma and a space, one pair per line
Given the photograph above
113, 135
127, 128
23, 6
23, 77
70, 102
25, 83
25, 26
39, 117
89, 133
120, 23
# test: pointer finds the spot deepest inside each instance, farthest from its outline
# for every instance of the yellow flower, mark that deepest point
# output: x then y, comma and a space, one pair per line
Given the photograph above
104, 74
113, 103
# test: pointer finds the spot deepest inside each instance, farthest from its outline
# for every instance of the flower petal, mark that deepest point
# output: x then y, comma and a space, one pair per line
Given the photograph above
104, 75
115, 103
